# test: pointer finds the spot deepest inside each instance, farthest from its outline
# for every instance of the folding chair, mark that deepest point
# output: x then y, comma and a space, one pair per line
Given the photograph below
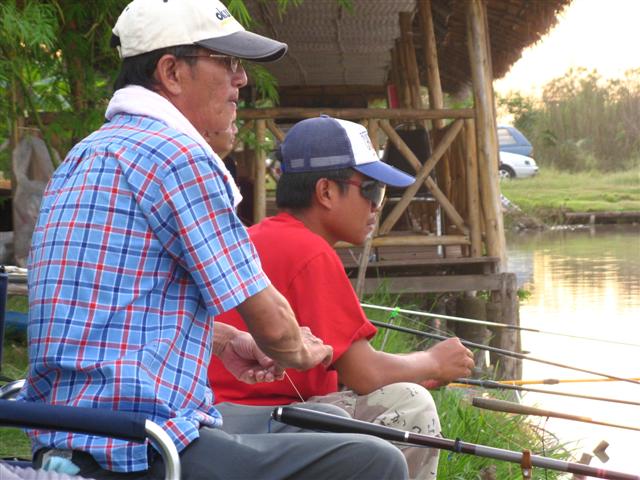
108, 423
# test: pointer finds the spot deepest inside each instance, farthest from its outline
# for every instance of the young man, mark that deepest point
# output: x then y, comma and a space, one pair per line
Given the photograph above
137, 248
331, 189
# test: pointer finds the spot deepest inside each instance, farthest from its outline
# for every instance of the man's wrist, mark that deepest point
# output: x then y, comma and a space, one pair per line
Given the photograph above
222, 335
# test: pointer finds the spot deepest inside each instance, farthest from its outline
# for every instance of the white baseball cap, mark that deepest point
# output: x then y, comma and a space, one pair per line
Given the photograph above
327, 143
147, 25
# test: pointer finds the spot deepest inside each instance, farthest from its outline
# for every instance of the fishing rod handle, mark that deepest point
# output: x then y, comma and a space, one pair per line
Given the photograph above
314, 420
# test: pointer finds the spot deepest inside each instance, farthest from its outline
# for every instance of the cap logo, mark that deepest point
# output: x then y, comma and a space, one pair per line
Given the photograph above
222, 14
367, 141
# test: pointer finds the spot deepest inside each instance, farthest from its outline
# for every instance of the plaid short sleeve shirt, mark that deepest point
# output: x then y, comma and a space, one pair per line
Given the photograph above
137, 247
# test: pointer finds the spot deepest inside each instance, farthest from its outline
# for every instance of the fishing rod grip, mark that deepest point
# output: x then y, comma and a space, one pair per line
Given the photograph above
313, 420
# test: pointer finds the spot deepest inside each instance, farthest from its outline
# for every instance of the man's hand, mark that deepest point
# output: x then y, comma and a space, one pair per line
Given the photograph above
242, 357
319, 353
451, 360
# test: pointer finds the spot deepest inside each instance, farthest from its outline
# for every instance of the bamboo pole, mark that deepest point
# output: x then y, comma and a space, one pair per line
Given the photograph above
436, 99
401, 71
411, 64
372, 128
355, 113
422, 176
259, 187
413, 240
477, 38
473, 195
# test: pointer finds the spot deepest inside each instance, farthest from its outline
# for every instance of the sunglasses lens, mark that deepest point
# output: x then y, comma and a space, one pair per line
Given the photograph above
373, 191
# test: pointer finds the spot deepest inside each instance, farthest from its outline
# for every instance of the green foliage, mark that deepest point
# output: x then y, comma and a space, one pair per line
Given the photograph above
55, 58
583, 122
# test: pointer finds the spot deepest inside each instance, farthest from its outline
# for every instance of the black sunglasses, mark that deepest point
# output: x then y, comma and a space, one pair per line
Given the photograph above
371, 190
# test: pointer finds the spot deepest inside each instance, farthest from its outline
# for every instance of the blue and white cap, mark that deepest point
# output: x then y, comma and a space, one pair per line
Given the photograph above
326, 143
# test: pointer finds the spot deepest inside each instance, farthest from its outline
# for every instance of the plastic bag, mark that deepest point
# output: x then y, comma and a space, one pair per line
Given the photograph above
32, 168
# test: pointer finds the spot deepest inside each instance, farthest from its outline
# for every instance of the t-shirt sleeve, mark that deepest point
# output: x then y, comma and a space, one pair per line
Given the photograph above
324, 300
194, 219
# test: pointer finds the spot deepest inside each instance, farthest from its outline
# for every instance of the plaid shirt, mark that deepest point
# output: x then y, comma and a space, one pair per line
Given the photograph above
136, 248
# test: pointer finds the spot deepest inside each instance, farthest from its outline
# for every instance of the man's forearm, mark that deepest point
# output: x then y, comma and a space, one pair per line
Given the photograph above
273, 325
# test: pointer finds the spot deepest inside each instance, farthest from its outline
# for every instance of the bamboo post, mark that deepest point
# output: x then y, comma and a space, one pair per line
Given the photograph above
372, 128
259, 187
478, 41
401, 69
436, 99
411, 64
473, 195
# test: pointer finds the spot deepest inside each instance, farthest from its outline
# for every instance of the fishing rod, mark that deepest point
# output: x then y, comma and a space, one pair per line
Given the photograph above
502, 386
495, 324
511, 407
500, 351
555, 381
313, 420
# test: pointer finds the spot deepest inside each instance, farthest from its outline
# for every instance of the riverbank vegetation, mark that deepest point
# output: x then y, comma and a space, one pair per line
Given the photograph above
582, 122
553, 193
586, 140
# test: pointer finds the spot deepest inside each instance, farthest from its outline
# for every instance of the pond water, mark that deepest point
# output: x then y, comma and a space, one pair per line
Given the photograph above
584, 282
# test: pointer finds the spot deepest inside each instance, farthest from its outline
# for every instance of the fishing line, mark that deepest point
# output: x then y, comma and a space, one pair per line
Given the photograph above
496, 324
501, 351
294, 386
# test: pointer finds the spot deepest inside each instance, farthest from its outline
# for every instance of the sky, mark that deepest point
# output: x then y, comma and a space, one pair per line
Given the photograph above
600, 34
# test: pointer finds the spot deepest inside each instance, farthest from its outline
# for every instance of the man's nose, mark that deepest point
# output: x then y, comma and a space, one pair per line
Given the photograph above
240, 77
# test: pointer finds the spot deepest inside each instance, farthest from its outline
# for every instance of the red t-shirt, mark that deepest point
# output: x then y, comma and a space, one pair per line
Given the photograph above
309, 273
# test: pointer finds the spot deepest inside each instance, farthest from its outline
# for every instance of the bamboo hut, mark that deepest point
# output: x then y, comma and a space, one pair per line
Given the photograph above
444, 233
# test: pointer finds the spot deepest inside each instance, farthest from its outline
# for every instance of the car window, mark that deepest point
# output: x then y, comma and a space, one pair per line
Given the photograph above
505, 137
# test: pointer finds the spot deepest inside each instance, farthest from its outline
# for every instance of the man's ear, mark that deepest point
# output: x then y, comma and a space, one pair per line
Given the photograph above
169, 74
325, 192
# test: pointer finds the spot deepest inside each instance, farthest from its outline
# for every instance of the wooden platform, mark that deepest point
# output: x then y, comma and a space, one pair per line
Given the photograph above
422, 269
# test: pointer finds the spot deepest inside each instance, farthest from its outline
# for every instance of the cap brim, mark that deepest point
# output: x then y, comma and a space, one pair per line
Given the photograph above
385, 173
246, 45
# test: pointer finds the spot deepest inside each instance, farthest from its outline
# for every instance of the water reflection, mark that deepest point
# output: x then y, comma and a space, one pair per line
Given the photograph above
584, 282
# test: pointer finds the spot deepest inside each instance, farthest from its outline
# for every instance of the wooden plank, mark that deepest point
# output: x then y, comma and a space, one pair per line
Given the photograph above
355, 113
435, 284
435, 262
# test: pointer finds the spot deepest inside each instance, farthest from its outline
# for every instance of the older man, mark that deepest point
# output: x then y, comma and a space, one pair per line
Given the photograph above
137, 248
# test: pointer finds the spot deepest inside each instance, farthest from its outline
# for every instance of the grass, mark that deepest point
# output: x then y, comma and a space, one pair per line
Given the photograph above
14, 442
459, 419
552, 192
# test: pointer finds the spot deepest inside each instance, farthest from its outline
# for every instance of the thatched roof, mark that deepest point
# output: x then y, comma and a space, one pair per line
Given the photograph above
330, 45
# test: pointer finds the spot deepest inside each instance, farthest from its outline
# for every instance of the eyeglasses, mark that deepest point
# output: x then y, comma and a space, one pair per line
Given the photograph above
371, 190
230, 62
